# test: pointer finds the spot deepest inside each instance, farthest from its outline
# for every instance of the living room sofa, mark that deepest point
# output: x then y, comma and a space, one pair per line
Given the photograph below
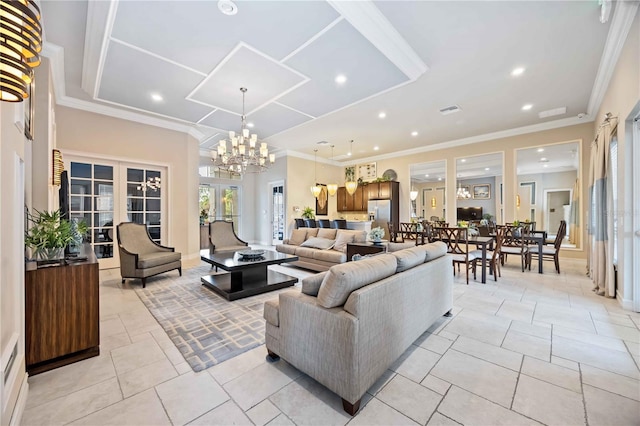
347, 325
314, 249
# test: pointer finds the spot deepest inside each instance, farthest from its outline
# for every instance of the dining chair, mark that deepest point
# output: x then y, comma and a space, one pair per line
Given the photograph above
311, 223
514, 242
457, 241
493, 256
550, 252
562, 227
394, 235
339, 223
300, 223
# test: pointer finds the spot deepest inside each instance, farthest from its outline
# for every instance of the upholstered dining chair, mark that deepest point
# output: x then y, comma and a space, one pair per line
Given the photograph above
223, 238
550, 252
457, 241
493, 256
140, 256
561, 228
514, 242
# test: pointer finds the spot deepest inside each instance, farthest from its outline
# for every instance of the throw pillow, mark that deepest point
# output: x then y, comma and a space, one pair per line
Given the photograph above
341, 241
319, 243
435, 250
327, 233
311, 285
312, 232
298, 236
408, 258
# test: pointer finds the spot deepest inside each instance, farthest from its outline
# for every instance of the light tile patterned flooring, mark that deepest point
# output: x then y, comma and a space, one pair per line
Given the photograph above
528, 349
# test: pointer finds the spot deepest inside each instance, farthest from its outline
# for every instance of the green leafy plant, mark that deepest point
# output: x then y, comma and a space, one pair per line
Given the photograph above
48, 233
516, 223
307, 213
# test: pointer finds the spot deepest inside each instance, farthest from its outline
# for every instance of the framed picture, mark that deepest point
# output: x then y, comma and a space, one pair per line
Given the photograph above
367, 172
322, 202
482, 192
28, 111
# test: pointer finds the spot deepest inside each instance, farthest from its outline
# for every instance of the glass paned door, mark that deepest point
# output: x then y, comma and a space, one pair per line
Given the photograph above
277, 213
144, 204
230, 205
92, 201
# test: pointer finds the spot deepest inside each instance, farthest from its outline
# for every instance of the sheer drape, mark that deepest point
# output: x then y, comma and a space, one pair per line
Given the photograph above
600, 213
574, 211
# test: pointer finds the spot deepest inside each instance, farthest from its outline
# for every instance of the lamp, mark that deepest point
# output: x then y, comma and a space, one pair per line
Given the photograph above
332, 188
413, 194
315, 189
240, 154
350, 184
462, 193
433, 202
58, 167
20, 46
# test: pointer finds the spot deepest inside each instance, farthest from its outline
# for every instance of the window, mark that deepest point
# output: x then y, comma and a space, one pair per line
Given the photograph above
143, 201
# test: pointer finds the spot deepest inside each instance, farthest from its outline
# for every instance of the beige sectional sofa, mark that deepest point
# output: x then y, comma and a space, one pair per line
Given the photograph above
301, 244
347, 325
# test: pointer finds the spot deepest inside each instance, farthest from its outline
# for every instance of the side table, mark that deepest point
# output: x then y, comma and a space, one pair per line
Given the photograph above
364, 249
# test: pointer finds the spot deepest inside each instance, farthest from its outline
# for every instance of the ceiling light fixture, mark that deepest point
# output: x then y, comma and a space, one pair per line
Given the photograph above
487, 168
527, 107
332, 188
414, 133
540, 149
151, 183
227, 7
250, 125
462, 193
517, 71
315, 189
20, 46
439, 179
375, 148
240, 158
156, 97
341, 79
382, 114
413, 194
350, 179
427, 175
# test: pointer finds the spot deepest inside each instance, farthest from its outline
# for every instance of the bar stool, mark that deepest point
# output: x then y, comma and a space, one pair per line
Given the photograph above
324, 223
339, 224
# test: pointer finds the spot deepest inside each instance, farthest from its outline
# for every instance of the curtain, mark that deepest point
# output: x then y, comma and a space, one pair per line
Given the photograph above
600, 214
574, 212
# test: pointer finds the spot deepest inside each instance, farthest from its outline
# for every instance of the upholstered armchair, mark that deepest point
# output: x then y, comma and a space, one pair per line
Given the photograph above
223, 238
140, 256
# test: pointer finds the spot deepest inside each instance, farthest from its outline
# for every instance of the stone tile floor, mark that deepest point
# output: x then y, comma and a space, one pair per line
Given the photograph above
528, 349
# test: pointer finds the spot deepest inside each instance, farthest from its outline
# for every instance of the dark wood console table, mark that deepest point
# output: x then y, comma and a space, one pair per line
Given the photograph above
62, 317
364, 249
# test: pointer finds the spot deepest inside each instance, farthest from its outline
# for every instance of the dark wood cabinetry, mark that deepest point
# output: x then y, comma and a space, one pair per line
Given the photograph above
358, 202
62, 317
346, 202
383, 190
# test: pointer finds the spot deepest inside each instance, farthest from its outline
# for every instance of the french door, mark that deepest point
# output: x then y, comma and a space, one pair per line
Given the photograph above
104, 193
277, 212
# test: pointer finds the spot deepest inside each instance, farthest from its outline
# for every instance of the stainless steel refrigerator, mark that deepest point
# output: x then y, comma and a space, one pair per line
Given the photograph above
380, 215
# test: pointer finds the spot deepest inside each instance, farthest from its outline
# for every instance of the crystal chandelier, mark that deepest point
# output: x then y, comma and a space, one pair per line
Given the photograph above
240, 153
152, 184
462, 193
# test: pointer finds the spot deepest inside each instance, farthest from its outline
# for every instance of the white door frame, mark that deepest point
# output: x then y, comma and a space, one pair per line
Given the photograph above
284, 201
545, 204
634, 145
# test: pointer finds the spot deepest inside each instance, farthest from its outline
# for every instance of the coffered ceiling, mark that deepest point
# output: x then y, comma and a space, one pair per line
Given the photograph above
407, 59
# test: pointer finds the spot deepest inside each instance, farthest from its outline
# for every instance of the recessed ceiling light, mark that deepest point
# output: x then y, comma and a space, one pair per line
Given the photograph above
487, 168
464, 160
250, 125
439, 178
382, 114
427, 175
227, 7
517, 71
543, 159
527, 107
545, 165
540, 149
375, 148
341, 79
156, 97
414, 133
349, 154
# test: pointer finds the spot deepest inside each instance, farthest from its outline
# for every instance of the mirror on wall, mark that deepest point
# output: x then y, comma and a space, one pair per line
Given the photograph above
429, 182
479, 188
548, 189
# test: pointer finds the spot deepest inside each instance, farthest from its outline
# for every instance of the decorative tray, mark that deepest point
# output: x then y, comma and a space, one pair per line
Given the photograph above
251, 254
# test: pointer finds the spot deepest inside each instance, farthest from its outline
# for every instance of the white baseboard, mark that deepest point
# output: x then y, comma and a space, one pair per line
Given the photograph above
627, 304
21, 402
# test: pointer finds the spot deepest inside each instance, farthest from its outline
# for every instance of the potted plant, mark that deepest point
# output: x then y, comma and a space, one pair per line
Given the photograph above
48, 234
307, 213
204, 215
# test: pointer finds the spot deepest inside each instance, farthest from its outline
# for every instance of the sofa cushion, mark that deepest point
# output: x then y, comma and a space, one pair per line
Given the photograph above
305, 252
342, 279
330, 256
408, 258
298, 236
149, 260
286, 248
391, 247
271, 312
342, 238
319, 243
434, 250
327, 233
312, 232
311, 285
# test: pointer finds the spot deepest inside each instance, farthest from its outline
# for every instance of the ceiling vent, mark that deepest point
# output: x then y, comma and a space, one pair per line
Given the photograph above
323, 143
450, 110
552, 112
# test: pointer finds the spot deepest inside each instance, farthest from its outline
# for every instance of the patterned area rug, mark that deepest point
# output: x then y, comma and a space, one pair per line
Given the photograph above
206, 328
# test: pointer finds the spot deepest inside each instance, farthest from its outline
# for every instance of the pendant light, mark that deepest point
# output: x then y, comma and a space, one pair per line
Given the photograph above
332, 187
350, 184
315, 189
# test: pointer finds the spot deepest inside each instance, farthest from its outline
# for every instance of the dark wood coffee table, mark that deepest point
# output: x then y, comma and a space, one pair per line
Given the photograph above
246, 277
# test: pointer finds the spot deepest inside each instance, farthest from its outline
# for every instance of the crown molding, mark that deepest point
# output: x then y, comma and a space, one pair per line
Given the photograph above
290, 153
100, 18
124, 115
365, 17
196, 134
623, 17
55, 54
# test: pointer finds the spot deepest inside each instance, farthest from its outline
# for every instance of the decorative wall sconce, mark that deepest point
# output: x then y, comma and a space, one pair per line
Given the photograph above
517, 200
20, 46
58, 167
433, 202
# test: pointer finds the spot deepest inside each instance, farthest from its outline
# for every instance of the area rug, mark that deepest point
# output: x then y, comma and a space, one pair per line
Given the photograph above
206, 328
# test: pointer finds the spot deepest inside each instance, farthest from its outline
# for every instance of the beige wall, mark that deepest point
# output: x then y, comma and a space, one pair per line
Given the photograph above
622, 99
102, 136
